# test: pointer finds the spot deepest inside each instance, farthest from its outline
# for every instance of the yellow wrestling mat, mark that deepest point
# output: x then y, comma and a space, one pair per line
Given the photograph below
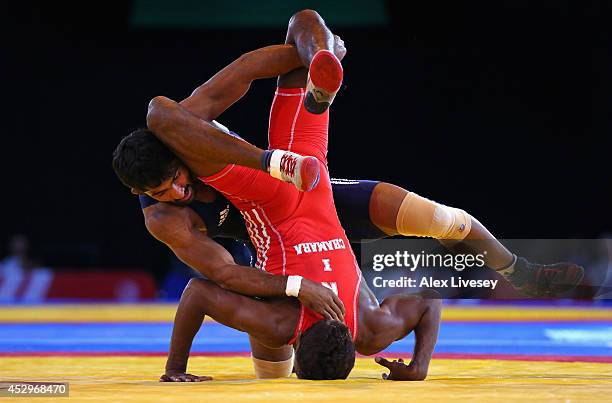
165, 313
114, 378
134, 379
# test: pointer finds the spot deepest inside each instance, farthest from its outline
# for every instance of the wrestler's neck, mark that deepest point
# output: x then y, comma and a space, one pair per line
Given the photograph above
204, 193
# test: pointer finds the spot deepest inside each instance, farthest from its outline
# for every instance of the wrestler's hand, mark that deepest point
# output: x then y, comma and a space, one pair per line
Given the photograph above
321, 300
179, 376
339, 49
402, 372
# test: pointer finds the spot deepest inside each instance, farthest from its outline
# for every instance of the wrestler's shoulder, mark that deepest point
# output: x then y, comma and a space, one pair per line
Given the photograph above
164, 219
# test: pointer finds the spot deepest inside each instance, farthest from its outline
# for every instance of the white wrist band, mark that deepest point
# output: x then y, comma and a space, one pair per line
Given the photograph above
293, 286
275, 162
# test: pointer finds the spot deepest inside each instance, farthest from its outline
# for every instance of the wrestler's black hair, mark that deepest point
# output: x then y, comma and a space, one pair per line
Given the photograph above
326, 351
142, 161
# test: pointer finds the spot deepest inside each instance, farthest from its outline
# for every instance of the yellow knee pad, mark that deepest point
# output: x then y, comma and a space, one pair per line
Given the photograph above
418, 216
273, 369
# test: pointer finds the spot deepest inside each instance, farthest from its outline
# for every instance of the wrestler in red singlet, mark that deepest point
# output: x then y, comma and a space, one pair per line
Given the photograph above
295, 233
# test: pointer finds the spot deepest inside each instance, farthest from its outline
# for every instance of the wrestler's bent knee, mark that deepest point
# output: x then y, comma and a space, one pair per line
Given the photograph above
272, 369
418, 216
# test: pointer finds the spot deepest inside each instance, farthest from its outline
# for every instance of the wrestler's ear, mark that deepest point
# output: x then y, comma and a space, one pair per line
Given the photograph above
136, 191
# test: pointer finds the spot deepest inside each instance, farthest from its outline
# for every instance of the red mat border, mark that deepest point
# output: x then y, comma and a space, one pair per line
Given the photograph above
454, 356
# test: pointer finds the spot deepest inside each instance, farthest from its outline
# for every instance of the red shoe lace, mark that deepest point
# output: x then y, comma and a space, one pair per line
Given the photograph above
288, 164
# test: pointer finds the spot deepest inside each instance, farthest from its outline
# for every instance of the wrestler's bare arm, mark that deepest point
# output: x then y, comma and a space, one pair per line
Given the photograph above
394, 319
226, 87
214, 147
187, 321
185, 233
426, 335
270, 322
181, 229
196, 142
208, 149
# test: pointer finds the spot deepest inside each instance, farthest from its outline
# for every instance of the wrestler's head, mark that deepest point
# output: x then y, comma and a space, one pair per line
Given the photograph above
145, 165
325, 351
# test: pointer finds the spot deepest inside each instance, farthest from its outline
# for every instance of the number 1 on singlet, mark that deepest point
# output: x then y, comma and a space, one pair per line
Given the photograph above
332, 285
326, 265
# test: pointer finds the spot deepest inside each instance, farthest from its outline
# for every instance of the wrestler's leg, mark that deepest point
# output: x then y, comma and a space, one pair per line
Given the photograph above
385, 205
397, 211
308, 32
291, 126
398, 315
314, 41
190, 139
206, 149
270, 363
271, 323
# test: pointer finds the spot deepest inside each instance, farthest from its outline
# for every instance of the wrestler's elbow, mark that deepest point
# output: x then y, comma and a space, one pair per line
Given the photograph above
430, 301
159, 112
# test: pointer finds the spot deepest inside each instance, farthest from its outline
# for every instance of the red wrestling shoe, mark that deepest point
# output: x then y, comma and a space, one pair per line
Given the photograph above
303, 172
324, 80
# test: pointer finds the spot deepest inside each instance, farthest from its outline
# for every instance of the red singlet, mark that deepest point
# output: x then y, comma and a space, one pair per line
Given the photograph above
295, 233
